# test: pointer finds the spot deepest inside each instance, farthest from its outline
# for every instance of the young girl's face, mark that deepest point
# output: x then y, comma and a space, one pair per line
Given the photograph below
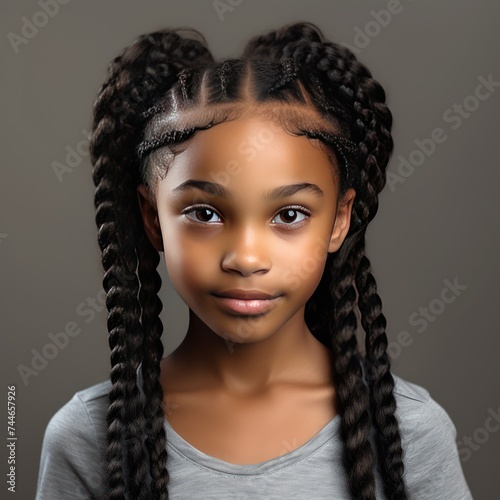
262, 215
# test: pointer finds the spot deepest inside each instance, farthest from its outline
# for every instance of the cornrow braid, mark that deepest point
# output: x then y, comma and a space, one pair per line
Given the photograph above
223, 71
346, 151
288, 74
183, 77
147, 146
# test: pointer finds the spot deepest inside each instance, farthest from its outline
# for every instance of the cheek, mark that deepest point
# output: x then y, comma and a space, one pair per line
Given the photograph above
303, 266
187, 262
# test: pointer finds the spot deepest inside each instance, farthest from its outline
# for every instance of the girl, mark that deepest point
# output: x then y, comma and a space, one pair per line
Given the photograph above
256, 178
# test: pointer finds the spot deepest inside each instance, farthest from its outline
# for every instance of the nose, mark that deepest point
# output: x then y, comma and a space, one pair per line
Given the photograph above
247, 253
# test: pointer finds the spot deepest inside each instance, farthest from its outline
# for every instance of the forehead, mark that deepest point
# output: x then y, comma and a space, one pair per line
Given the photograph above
252, 141
248, 163
166, 129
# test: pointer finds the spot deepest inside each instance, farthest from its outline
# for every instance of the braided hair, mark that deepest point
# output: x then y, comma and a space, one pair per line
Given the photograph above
161, 91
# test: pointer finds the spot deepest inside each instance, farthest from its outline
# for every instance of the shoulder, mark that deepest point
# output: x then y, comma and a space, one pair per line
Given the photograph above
428, 438
82, 415
73, 456
418, 413
424, 424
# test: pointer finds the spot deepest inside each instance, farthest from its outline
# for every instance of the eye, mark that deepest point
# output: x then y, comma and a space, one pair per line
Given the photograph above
204, 211
289, 215
203, 214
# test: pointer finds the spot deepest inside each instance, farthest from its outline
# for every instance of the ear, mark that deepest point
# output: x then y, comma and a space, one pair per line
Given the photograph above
150, 217
342, 221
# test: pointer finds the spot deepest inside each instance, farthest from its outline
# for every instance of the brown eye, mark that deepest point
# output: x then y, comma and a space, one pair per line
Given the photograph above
289, 216
203, 214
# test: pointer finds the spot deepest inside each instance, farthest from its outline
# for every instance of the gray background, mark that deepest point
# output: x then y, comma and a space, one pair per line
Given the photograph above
440, 224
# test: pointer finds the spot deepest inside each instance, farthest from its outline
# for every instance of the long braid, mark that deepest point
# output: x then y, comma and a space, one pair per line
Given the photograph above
150, 66
374, 124
379, 377
124, 329
351, 394
153, 391
352, 398
378, 363
376, 148
382, 384
134, 418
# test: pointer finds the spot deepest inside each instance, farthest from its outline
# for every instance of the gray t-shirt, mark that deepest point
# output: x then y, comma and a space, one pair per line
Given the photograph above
73, 460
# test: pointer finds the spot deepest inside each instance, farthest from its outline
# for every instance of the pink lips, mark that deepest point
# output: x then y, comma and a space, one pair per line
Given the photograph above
246, 301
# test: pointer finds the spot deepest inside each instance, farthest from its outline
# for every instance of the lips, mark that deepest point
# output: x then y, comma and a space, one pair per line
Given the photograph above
246, 302
245, 294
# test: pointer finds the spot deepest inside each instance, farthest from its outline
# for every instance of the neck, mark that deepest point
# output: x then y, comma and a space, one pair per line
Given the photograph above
291, 355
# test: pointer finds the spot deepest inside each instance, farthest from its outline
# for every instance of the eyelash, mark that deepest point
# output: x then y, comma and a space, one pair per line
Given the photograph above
296, 208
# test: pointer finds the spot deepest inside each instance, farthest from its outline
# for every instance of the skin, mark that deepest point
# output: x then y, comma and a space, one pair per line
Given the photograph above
247, 389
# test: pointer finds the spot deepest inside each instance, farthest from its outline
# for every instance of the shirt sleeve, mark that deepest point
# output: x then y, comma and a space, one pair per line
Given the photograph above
71, 465
434, 470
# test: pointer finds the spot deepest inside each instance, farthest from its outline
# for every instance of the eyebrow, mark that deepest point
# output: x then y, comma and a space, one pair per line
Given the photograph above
273, 194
